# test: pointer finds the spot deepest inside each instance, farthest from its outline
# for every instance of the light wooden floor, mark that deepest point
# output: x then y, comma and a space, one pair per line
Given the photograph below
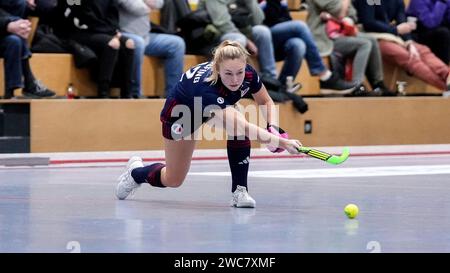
403, 201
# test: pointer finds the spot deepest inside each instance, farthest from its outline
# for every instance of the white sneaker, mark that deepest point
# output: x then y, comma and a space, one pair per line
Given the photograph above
241, 198
127, 185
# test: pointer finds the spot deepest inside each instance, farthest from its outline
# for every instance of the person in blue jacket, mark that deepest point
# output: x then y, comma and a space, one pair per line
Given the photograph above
433, 25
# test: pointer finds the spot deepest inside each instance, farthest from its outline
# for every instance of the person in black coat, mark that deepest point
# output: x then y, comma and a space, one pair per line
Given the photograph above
14, 30
96, 25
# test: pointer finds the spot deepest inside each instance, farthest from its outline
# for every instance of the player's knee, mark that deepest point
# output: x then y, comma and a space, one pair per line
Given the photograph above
130, 44
114, 43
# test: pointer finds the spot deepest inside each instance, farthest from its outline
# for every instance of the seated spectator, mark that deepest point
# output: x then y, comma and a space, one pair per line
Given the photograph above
13, 48
96, 25
241, 21
135, 24
433, 25
362, 50
293, 41
249, 31
388, 21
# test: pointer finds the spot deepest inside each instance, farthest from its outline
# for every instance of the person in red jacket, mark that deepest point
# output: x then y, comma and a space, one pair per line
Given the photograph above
396, 43
433, 25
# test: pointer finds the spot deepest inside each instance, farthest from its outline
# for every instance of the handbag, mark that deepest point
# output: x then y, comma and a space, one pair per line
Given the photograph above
197, 31
240, 14
83, 55
275, 12
337, 28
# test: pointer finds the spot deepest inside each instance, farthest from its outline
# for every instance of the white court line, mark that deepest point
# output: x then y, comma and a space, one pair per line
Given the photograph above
343, 172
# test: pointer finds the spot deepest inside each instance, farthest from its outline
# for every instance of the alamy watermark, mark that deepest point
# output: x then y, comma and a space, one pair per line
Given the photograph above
374, 247
190, 119
74, 247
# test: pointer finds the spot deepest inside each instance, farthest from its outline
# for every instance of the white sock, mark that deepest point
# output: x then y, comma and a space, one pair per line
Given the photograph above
326, 76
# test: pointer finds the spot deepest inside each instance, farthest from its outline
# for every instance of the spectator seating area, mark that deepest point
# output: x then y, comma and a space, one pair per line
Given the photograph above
58, 71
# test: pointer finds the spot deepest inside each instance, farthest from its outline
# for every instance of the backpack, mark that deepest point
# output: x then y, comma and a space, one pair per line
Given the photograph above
83, 55
241, 17
45, 41
275, 12
240, 14
197, 31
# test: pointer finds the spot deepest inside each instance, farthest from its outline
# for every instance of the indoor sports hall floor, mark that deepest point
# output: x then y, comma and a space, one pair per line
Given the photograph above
403, 194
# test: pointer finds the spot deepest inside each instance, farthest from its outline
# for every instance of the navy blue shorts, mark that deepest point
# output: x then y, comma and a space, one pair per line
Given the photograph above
172, 127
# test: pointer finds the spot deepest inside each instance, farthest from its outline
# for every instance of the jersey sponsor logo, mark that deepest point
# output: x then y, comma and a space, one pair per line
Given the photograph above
197, 72
244, 91
177, 129
220, 100
191, 72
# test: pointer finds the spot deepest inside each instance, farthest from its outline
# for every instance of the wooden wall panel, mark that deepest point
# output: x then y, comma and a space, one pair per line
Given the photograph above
371, 121
121, 125
95, 125
99, 125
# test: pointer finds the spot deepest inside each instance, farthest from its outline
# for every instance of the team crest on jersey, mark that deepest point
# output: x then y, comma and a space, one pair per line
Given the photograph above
244, 91
220, 100
177, 129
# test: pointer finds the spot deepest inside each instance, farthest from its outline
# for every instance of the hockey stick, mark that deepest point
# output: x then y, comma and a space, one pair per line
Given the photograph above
332, 159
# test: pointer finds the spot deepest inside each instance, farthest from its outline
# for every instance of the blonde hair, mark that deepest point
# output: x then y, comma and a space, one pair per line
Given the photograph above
227, 50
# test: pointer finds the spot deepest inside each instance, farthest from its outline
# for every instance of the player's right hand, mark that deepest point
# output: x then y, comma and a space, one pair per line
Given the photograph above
291, 145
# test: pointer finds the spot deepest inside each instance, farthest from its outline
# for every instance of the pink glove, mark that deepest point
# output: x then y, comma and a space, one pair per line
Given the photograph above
278, 132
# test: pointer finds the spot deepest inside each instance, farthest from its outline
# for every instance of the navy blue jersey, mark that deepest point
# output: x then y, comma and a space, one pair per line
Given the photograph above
194, 93
193, 84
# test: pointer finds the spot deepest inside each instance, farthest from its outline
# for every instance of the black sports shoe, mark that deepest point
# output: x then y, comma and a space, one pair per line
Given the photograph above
361, 91
335, 86
276, 96
271, 83
37, 91
9, 94
381, 90
295, 87
298, 102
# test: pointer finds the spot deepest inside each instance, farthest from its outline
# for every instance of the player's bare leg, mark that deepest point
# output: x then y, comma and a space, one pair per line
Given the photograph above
178, 161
